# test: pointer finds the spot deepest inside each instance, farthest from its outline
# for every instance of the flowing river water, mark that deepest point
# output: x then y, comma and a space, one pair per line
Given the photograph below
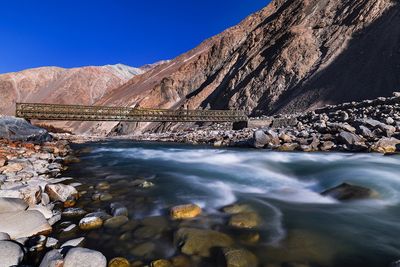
298, 225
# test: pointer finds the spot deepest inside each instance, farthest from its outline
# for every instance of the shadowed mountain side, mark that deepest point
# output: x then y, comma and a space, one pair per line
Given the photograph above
368, 68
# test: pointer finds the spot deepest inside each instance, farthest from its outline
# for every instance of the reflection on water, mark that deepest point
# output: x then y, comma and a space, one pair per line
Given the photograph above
298, 224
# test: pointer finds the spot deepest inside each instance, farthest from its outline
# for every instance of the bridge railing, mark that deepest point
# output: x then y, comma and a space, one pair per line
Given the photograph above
103, 113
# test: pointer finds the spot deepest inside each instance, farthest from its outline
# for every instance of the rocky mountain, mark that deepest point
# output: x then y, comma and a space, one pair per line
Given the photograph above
293, 55
83, 85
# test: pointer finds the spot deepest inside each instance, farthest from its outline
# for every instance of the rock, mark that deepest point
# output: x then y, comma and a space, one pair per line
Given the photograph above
327, 145
144, 250
239, 258
118, 209
269, 138
60, 192
161, 263
47, 213
105, 196
386, 145
116, 222
260, 139
119, 262
147, 232
53, 258
142, 183
73, 212
288, 147
51, 242
237, 208
74, 242
389, 121
185, 211
84, 257
338, 126
304, 246
11, 254
365, 132
90, 223
18, 129
349, 139
70, 159
3, 160
4, 236
101, 214
12, 204
347, 191
103, 186
24, 224
181, 261
195, 241
245, 220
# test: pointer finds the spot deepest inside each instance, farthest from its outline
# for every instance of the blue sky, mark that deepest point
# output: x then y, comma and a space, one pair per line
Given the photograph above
71, 33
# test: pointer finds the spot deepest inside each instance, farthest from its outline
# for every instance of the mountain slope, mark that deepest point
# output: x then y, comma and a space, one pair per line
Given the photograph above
291, 56
83, 85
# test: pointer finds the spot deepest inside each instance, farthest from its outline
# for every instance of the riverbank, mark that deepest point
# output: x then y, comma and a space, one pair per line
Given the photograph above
367, 126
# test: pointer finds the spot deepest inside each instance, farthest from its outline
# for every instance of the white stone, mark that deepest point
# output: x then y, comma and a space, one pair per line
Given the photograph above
84, 257
53, 258
47, 213
60, 192
12, 204
11, 254
73, 242
24, 223
4, 236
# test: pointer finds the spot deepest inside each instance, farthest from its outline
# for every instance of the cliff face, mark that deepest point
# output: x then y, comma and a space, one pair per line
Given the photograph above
291, 56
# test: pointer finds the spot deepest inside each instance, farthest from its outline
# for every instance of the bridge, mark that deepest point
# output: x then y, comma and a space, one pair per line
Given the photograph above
34, 111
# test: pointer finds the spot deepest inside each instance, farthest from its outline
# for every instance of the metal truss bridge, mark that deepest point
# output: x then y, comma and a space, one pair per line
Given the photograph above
33, 111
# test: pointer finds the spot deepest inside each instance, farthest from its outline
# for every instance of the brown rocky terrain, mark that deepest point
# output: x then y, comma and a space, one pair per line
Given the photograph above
291, 56
83, 85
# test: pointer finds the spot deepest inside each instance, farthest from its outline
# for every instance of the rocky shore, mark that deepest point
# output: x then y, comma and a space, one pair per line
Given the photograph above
33, 196
367, 126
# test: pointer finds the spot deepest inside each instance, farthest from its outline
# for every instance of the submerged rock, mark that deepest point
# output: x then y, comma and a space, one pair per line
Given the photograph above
245, 220
85, 258
239, 258
199, 242
161, 263
116, 221
119, 262
185, 211
347, 191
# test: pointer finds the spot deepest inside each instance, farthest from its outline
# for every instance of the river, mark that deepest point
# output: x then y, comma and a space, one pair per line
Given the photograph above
298, 224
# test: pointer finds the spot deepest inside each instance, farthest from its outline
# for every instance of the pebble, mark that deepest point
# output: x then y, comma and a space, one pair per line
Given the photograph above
90, 223
116, 222
185, 211
84, 257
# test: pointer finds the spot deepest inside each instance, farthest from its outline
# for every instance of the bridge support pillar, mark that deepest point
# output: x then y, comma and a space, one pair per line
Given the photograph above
239, 125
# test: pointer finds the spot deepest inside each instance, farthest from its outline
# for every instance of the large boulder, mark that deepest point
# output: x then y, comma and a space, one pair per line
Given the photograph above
262, 138
24, 224
12, 204
386, 145
11, 254
18, 129
347, 191
84, 257
349, 139
200, 241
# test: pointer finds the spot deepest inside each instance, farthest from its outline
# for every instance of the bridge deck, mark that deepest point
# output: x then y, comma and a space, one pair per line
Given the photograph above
102, 113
